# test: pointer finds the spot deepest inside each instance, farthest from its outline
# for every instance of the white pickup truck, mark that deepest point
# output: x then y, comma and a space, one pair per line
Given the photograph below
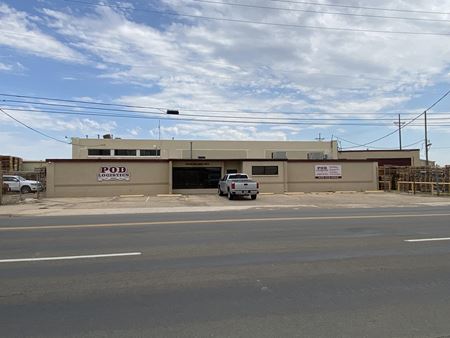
238, 185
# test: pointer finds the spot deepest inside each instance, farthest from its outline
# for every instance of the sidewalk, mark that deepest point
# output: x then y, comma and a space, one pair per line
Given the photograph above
204, 203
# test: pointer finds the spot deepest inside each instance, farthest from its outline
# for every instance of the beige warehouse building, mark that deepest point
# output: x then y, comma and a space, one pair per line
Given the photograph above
109, 167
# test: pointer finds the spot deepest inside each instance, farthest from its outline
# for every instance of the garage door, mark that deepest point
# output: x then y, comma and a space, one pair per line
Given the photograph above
196, 178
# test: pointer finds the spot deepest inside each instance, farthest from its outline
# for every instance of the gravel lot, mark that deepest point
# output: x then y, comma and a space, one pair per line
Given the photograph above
196, 203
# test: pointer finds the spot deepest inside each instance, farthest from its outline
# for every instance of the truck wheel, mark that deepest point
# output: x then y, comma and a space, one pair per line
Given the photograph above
253, 197
220, 192
25, 189
230, 196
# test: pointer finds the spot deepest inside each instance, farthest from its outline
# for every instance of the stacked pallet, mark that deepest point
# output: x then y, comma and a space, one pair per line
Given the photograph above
419, 179
10, 163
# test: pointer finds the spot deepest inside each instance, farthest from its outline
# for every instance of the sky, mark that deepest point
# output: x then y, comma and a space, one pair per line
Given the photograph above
235, 70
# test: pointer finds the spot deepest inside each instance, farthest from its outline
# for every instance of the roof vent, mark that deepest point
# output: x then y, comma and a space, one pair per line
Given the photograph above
279, 155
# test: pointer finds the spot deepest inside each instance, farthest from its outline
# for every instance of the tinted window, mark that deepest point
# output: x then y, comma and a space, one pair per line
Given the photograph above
125, 152
150, 152
265, 170
236, 177
99, 152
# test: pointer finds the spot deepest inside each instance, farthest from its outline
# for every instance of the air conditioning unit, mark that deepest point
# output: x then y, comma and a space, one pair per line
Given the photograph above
317, 156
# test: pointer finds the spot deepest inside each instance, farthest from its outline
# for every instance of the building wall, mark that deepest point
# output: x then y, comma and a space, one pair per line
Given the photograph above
413, 154
178, 149
79, 179
356, 176
268, 183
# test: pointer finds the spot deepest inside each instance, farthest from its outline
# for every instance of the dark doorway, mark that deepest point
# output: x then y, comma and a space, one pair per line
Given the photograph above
195, 178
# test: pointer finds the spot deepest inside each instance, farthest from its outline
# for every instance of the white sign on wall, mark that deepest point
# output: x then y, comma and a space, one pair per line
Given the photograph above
113, 173
328, 171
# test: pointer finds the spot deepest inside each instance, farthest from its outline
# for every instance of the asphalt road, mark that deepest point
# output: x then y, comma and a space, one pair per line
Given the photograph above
255, 273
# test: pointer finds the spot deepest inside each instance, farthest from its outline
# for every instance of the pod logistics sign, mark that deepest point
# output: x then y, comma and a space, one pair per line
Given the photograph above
328, 171
112, 173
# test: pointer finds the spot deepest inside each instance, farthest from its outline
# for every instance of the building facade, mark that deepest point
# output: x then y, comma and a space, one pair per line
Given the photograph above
209, 150
109, 167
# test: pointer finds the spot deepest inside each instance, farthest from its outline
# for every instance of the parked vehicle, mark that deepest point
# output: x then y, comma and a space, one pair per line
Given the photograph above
20, 184
238, 185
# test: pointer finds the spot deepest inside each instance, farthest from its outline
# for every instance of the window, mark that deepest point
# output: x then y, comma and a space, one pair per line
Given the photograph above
265, 170
99, 152
150, 152
238, 177
125, 152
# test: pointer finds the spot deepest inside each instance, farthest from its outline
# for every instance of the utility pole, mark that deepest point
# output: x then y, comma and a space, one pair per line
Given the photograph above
159, 130
426, 138
320, 138
400, 124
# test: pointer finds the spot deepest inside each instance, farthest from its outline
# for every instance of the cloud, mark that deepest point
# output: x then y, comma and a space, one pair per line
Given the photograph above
216, 68
224, 132
217, 65
18, 31
16, 67
32, 147
58, 124
134, 131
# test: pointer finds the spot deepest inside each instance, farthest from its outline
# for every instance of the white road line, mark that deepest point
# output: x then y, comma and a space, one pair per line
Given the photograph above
220, 221
61, 258
428, 239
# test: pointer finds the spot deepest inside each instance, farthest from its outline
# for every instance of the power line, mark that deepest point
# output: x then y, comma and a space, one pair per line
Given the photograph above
247, 113
360, 7
408, 123
320, 12
440, 99
163, 109
356, 144
413, 144
283, 25
392, 133
33, 129
201, 115
202, 119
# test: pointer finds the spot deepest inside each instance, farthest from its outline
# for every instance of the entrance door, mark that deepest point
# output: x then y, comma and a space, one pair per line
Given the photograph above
196, 178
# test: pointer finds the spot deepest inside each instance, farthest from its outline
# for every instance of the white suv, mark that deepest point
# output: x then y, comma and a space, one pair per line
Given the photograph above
18, 183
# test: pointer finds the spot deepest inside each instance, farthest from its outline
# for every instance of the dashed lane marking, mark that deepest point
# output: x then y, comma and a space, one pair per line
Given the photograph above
61, 258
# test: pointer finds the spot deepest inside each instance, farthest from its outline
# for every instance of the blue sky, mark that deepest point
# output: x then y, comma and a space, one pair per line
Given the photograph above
304, 81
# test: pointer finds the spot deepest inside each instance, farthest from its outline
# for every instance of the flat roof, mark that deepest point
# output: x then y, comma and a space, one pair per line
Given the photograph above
139, 160
376, 151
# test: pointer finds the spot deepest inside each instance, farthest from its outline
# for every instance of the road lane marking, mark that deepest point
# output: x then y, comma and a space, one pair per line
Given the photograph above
428, 239
61, 258
216, 221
